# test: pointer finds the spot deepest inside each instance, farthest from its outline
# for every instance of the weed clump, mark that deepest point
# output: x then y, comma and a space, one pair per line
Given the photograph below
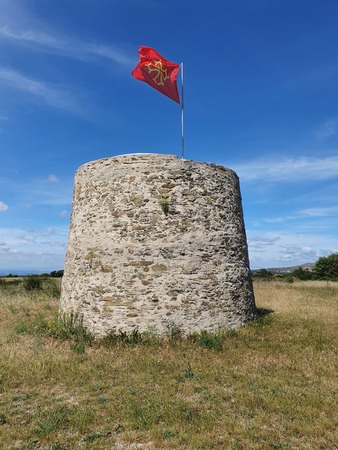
187, 374
69, 325
208, 340
32, 283
65, 326
165, 203
122, 337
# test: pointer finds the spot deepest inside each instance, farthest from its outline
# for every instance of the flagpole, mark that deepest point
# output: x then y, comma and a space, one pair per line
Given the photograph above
182, 108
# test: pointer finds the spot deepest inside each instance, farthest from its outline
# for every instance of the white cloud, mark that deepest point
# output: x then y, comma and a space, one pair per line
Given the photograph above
3, 207
327, 129
23, 249
258, 243
48, 232
63, 213
49, 94
3, 248
305, 213
54, 243
280, 248
31, 36
42, 191
288, 169
66, 45
53, 179
111, 52
28, 238
274, 220
319, 212
31, 260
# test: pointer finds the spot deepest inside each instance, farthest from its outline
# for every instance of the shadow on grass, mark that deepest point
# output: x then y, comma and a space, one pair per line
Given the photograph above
262, 312
264, 318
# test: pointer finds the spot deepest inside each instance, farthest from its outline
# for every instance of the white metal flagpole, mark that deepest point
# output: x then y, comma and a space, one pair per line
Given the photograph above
182, 108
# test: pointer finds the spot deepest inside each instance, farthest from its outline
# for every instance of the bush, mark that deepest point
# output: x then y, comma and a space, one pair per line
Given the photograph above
32, 282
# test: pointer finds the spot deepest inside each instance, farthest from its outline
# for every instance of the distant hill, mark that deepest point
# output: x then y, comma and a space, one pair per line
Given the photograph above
23, 272
305, 266
18, 272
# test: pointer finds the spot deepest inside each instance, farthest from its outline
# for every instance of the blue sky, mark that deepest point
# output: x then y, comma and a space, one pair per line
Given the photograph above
261, 97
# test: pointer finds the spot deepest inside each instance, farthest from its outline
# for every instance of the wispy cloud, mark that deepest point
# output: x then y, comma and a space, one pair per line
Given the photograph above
66, 45
45, 261
259, 243
288, 169
3, 248
327, 129
319, 212
3, 207
280, 248
303, 253
48, 232
28, 238
30, 36
54, 243
274, 220
49, 94
33, 192
53, 179
110, 52
18, 245
263, 240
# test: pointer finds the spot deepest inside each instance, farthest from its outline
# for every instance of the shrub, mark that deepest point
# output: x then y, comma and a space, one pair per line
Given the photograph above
32, 282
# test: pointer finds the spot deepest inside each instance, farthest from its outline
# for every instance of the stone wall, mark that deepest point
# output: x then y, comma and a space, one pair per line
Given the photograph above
157, 242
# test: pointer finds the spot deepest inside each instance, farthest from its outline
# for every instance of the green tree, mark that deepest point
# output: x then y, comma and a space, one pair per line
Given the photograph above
302, 274
326, 267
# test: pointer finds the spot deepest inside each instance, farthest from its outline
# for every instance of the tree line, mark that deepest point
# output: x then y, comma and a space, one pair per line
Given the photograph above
325, 268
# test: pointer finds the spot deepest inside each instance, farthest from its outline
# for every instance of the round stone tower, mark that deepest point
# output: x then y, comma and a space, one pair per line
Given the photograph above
156, 242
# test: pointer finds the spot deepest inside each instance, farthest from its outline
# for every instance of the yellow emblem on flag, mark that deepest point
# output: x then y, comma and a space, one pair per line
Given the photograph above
161, 74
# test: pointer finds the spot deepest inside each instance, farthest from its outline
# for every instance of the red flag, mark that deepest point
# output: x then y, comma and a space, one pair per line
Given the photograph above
157, 71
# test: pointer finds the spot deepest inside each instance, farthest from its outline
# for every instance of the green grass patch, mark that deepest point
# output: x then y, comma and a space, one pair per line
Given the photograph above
269, 384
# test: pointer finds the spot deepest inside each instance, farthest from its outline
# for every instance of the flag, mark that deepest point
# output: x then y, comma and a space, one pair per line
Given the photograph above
157, 71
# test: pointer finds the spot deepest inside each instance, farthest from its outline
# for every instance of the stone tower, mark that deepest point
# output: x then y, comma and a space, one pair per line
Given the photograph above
157, 242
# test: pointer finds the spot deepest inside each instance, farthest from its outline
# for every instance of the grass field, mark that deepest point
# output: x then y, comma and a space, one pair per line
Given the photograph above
269, 385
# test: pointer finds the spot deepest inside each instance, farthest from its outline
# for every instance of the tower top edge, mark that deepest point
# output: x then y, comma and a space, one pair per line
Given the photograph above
139, 156
131, 158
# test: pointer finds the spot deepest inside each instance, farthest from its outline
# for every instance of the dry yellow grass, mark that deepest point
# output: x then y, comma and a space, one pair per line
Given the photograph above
271, 385
310, 299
